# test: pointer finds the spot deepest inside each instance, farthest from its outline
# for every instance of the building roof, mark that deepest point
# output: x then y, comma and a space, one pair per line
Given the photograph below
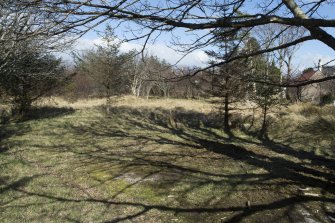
307, 75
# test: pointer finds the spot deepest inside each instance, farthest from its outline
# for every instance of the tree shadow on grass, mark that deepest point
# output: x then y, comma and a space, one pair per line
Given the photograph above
243, 212
7, 131
37, 113
14, 185
318, 172
196, 133
3, 148
275, 158
195, 130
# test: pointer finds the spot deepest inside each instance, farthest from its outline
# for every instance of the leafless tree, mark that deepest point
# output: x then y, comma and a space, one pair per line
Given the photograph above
149, 19
28, 70
34, 75
150, 73
21, 24
278, 34
139, 75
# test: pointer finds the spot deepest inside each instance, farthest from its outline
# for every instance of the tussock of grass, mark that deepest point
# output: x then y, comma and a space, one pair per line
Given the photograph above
307, 127
309, 110
322, 127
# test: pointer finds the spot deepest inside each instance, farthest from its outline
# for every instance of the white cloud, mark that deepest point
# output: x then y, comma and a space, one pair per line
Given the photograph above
196, 58
312, 59
85, 44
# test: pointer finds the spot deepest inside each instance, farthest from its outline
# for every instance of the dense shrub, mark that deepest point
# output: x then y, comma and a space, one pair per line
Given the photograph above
31, 77
327, 99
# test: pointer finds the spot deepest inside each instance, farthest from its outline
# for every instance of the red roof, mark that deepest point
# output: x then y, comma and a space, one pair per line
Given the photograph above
307, 75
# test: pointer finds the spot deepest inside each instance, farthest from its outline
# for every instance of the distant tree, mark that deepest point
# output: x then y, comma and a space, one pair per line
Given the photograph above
110, 68
272, 35
150, 75
27, 68
32, 76
227, 84
227, 80
139, 74
157, 73
252, 66
308, 70
267, 96
147, 20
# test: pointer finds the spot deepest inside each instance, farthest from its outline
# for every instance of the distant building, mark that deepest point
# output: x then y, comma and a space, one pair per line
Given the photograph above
314, 92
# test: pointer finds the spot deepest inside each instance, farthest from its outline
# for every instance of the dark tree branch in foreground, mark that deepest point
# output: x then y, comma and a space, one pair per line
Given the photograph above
78, 16
202, 18
297, 83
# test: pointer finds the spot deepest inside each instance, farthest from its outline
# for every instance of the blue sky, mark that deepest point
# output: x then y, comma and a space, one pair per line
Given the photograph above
307, 55
311, 51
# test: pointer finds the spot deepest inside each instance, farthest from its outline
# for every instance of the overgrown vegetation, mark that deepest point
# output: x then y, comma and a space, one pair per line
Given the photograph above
327, 99
31, 77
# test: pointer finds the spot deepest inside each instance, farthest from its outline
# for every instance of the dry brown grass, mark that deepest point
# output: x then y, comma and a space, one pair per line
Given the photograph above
199, 105
165, 103
60, 102
283, 119
133, 102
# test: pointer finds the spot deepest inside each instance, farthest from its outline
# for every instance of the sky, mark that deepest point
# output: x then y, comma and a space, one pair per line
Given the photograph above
308, 54
161, 50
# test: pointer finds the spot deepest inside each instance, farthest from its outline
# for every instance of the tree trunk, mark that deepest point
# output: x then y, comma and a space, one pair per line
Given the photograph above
226, 113
108, 99
21, 105
264, 125
148, 92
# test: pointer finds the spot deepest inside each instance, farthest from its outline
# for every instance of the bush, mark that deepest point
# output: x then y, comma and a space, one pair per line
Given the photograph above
327, 99
4, 116
33, 76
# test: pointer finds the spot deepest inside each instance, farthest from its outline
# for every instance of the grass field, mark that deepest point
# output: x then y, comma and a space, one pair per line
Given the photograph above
166, 161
